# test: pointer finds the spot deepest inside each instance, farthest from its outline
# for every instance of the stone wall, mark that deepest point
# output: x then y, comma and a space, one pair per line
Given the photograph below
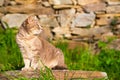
82, 20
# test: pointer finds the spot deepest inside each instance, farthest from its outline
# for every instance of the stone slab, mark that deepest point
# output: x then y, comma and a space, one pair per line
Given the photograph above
58, 74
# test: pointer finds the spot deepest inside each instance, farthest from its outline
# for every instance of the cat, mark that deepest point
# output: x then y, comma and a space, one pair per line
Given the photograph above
37, 52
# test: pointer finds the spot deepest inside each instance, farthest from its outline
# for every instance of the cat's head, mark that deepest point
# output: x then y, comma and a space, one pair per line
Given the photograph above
32, 25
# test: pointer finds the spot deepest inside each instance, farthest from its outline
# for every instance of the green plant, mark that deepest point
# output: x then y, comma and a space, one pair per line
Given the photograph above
45, 74
114, 21
108, 60
10, 56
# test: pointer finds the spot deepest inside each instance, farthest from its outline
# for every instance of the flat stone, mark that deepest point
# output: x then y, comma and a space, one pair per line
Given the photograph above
26, 1
75, 44
113, 9
61, 30
14, 20
108, 15
86, 2
65, 6
27, 9
115, 44
1, 2
74, 74
57, 74
103, 21
46, 4
13, 3
90, 32
83, 19
105, 36
65, 17
48, 21
96, 7
113, 2
1, 15
60, 2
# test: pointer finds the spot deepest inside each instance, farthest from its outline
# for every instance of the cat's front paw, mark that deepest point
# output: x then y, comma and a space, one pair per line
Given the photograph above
27, 69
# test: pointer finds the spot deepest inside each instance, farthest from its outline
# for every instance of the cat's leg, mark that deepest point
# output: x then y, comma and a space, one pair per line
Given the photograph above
27, 64
61, 63
26, 58
36, 63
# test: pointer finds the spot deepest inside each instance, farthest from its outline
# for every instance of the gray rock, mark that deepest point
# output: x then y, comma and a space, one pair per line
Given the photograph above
60, 2
83, 19
113, 9
1, 2
14, 20
85, 2
48, 21
65, 17
96, 7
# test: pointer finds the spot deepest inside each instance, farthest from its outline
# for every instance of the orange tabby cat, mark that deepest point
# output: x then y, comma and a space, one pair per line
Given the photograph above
37, 52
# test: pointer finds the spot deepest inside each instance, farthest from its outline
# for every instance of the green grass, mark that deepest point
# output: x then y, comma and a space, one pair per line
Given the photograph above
108, 60
10, 56
76, 59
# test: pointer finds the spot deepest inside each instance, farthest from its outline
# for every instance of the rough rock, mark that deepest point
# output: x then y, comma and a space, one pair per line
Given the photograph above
1, 15
104, 36
13, 3
1, 2
48, 21
92, 32
83, 19
27, 9
80, 9
85, 2
61, 32
117, 30
113, 2
26, 1
115, 44
60, 2
57, 74
69, 75
14, 20
96, 7
113, 9
65, 17
76, 44
65, 6
48, 35
103, 21
46, 4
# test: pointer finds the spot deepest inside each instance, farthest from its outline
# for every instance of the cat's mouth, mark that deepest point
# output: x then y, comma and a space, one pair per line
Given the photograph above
36, 32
